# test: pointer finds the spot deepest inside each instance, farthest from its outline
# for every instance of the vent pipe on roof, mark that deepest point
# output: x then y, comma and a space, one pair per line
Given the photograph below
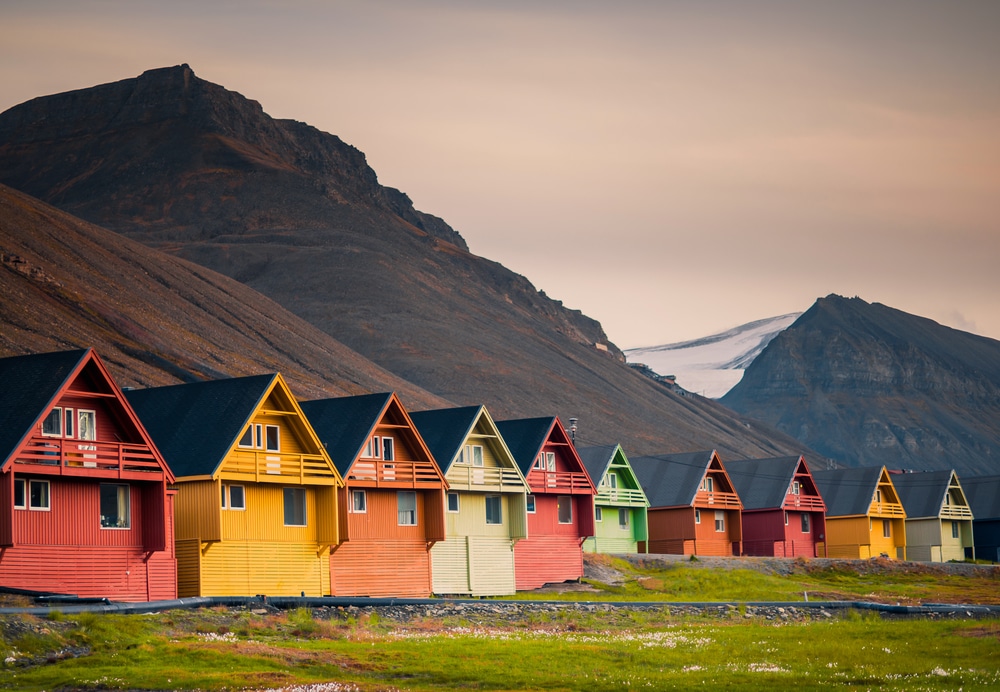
572, 429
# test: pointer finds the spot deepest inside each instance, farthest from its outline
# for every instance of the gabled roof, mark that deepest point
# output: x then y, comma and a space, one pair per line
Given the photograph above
672, 480
922, 494
763, 483
983, 496
848, 492
445, 431
525, 438
195, 425
28, 387
597, 460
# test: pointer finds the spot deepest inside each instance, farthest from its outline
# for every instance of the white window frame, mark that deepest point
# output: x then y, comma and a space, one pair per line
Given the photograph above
599, 514
954, 529
48, 496
886, 528
720, 521
268, 429
475, 455
458, 503
300, 492
406, 516
498, 499
697, 515
611, 480
529, 503
80, 431
388, 448
796, 488
224, 496
246, 433
786, 518
361, 495
128, 508
59, 417
623, 518
373, 450
550, 461
20, 482
568, 499
243, 493
69, 423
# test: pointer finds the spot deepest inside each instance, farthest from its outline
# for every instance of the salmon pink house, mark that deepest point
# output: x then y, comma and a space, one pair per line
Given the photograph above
84, 502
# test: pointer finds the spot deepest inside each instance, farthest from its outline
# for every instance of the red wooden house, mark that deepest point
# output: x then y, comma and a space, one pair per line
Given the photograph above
84, 504
783, 512
693, 507
392, 506
560, 503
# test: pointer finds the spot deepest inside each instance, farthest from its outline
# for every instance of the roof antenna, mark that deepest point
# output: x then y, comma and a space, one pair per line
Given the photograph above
572, 430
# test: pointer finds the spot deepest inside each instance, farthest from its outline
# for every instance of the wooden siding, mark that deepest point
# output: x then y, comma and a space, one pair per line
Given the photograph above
861, 537
381, 520
766, 534
264, 517
271, 568
188, 553
381, 567
610, 537
674, 531
930, 540
473, 565
490, 477
198, 511
541, 560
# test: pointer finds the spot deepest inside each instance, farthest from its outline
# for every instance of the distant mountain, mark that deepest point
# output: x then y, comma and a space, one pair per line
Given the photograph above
712, 365
203, 173
865, 385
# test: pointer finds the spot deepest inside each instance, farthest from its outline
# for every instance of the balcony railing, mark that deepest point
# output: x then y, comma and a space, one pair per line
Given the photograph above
485, 477
393, 473
716, 499
69, 455
263, 465
620, 496
886, 509
804, 502
956, 512
558, 482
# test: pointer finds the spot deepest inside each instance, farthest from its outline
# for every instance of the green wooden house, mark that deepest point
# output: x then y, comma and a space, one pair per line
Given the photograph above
620, 505
485, 506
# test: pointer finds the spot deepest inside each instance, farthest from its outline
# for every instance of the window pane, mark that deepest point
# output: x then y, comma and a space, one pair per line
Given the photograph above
406, 504
388, 449
39, 494
258, 435
494, 513
886, 529
598, 514
52, 424
477, 455
359, 501
295, 507
19, 494
114, 506
452, 502
720, 521
70, 419
697, 516
273, 439
550, 461
237, 497
223, 496
565, 507
623, 517
530, 503
247, 439
805, 523
87, 430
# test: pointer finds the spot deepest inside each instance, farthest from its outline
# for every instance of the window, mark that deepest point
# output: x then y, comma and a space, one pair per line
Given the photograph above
114, 506
406, 503
878, 496
237, 497
273, 439
19, 502
697, 516
295, 506
564, 505
452, 502
720, 521
796, 488
70, 419
805, 523
494, 511
224, 503
612, 480
359, 502
550, 461
52, 423
786, 518
38, 495
598, 514
388, 452
87, 428
886, 528
708, 484
529, 504
954, 529
373, 450
247, 439
477, 454
622, 518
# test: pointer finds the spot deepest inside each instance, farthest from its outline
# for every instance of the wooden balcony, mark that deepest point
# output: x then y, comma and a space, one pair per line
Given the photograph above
807, 502
562, 482
717, 500
620, 496
273, 467
486, 478
956, 512
377, 473
886, 509
58, 456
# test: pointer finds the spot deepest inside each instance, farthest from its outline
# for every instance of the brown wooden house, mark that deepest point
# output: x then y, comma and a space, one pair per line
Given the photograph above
84, 502
693, 506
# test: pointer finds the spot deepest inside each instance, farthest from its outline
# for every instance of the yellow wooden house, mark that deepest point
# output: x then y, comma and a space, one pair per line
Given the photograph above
256, 509
864, 515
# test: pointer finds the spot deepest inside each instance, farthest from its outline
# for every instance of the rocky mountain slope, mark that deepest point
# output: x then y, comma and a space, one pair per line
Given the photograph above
203, 173
865, 384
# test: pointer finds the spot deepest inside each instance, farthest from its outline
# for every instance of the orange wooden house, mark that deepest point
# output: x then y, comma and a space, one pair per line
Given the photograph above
560, 505
392, 507
693, 506
864, 515
84, 502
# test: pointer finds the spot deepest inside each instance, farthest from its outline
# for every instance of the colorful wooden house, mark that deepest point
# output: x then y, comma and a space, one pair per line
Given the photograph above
938, 517
620, 505
85, 507
560, 504
693, 506
392, 506
983, 493
864, 517
485, 513
257, 492
783, 512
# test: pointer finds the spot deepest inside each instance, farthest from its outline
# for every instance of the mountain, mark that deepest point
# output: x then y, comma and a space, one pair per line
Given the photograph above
202, 173
712, 365
865, 384
157, 319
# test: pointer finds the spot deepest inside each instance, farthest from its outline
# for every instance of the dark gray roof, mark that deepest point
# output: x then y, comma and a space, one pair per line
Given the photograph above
28, 387
983, 494
922, 494
848, 492
671, 480
762, 483
525, 438
344, 424
597, 460
445, 430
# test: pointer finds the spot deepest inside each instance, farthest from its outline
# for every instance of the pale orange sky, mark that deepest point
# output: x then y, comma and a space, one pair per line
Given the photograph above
670, 168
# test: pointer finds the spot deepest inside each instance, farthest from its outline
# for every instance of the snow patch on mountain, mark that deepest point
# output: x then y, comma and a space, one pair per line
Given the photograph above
712, 365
